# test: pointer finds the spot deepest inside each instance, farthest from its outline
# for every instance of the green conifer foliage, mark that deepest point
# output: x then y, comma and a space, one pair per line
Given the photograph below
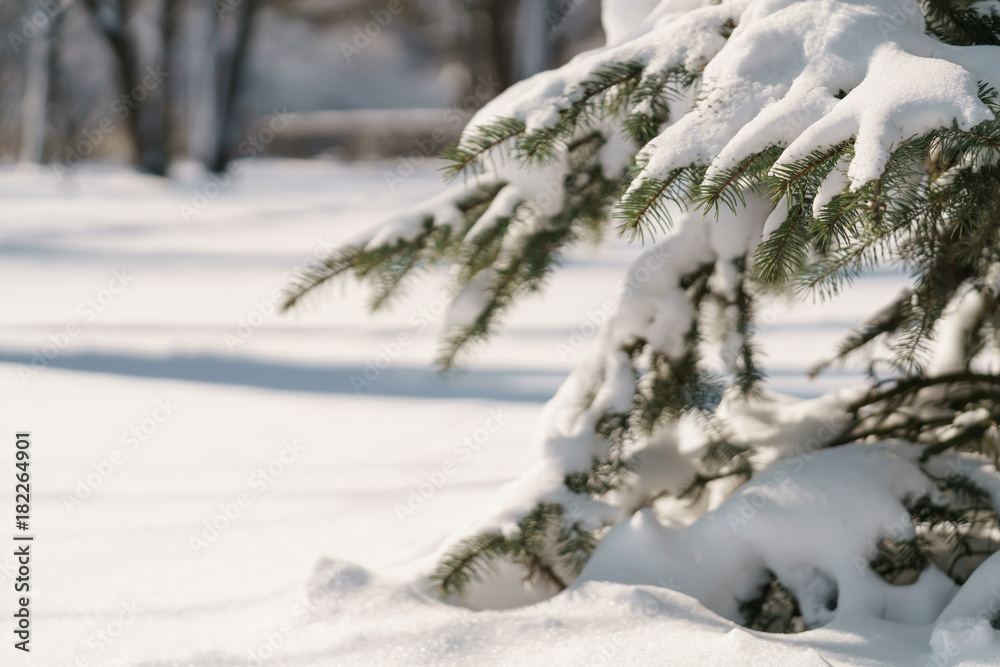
934, 211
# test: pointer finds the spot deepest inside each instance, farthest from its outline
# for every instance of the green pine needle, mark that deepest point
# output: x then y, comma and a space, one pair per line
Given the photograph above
475, 145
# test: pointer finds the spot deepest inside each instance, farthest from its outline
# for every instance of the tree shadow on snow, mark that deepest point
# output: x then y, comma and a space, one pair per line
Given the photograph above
512, 385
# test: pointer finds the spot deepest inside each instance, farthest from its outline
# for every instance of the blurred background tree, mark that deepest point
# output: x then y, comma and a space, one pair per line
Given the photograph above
161, 82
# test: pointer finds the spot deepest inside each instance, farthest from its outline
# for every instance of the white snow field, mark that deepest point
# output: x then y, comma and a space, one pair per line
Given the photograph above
216, 485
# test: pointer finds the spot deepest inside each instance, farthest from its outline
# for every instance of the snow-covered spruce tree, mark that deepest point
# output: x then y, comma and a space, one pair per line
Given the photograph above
760, 147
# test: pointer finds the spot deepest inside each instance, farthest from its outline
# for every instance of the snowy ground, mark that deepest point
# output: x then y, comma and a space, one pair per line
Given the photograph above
125, 569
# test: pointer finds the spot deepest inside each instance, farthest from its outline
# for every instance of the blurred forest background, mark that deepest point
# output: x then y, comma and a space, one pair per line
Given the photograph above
160, 83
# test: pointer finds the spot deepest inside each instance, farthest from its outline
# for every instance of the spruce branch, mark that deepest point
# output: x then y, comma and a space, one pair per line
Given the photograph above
959, 22
727, 187
603, 95
469, 562
749, 375
523, 271
774, 609
316, 275
784, 251
795, 180
471, 149
576, 546
540, 538
651, 102
884, 323
646, 206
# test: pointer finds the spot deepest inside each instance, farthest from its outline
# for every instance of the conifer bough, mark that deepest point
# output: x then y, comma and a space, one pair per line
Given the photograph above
759, 146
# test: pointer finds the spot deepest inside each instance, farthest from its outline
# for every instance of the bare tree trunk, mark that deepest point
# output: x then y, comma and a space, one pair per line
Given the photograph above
56, 131
202, 90
504, 16
532, 38
486, 43
171, 18
227, 136
34, 103
142, 116
55, 122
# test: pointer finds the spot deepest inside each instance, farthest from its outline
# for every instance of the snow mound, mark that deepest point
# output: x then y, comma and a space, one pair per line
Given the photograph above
837, 505
804, 75
812, 520
351, 616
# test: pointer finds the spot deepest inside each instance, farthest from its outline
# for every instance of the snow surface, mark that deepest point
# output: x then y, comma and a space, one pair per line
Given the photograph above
321, 568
